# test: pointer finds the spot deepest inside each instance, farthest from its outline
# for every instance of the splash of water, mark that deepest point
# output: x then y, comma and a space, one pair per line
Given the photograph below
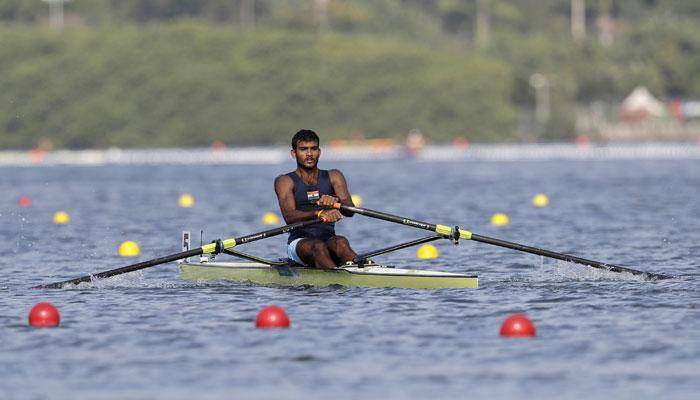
567, 271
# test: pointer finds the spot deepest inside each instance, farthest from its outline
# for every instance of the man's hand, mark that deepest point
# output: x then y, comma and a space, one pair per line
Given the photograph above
327, 201
328, 216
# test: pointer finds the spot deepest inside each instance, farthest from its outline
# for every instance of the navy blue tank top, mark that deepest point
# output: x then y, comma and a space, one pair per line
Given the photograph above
306, 197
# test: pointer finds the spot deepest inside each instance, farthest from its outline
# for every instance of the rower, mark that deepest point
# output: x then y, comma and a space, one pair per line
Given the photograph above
309, 193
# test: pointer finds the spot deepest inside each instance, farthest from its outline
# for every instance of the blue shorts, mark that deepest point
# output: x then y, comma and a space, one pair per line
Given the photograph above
292, 251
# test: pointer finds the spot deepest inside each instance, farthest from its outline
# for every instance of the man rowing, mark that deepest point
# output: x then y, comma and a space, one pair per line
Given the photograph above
309, 193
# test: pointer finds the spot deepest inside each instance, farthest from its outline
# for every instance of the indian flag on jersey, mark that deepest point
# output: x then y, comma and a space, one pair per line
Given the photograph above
313, 196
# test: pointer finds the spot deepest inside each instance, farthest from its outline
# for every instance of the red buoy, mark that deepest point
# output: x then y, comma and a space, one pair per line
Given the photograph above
272, 317
517, 325
24, 201
44, 315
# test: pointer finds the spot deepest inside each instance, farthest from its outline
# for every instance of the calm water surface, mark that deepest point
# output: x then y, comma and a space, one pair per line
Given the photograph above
151, 335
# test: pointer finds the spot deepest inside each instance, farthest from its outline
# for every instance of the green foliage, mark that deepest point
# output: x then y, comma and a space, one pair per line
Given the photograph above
188, 83
185, 72
672, 50
21, 10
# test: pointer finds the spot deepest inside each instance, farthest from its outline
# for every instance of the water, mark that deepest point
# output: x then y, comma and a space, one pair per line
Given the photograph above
151, 335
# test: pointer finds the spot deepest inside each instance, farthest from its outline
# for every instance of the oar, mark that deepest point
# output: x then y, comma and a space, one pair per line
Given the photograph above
214, 247
457, 233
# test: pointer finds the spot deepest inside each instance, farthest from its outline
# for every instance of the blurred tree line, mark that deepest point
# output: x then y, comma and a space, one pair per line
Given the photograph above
183, 72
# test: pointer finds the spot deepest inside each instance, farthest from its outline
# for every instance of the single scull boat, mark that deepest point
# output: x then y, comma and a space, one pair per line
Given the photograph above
368, 275
363, 272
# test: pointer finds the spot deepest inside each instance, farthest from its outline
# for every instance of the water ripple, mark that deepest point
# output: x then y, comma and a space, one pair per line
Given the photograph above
149, 334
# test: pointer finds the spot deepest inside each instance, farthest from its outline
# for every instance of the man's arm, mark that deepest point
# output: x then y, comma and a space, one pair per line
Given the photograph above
340, 187
284, 187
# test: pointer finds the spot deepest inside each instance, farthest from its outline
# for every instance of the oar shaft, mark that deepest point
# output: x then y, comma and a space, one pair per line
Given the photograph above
563, 257
206, 249
465, 234
124, 270
229, 243
437, 228
387, 217
275, 231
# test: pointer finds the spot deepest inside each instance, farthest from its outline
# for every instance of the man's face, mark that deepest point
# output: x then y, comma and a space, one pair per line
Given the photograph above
307, 154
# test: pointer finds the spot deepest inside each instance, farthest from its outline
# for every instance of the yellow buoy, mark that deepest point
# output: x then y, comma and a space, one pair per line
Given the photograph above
499, 219
270, 218
356, 200
427, 251
540, 200
129, 249
61, 218
186, 200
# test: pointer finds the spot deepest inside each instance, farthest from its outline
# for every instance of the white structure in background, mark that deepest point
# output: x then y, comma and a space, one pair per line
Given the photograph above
56, 13
246, 13
641, 105
483, 22
321, 12
606, 23
578, 19
541, 85
643, 118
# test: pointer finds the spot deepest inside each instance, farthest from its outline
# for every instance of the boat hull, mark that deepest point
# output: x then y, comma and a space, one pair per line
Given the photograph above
373, 276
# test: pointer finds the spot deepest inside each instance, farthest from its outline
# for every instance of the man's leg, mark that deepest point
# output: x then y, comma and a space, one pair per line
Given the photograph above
340, 248
315, 253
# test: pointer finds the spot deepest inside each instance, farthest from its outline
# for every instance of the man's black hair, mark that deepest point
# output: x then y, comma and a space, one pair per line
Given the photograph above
305, 135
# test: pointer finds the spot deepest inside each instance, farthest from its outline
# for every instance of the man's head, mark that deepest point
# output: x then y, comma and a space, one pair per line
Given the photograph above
305, 148
306, 135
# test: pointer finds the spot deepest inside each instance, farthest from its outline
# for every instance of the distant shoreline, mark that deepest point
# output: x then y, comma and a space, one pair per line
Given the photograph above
280, 154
